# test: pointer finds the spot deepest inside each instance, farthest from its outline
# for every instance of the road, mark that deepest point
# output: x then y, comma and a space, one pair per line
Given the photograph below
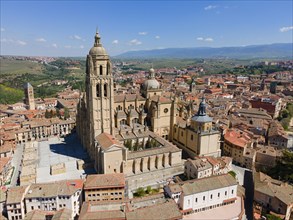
240, 172
16, 163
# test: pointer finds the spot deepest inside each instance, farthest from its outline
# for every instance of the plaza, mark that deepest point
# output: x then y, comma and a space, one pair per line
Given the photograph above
56, 151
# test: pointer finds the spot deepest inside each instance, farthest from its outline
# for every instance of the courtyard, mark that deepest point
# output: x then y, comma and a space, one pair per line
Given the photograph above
56, 151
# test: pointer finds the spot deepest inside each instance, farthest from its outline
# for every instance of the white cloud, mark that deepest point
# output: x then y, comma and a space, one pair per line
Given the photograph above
67, 46
77, 37
81, 47
157, 37
2, 29
41, 40
210, 7
54, 45
115, 42
143, 33
285, 29
135, 42
208, 39
19, 42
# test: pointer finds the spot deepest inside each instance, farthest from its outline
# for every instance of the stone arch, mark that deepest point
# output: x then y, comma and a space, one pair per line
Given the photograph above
101, 70
98, 90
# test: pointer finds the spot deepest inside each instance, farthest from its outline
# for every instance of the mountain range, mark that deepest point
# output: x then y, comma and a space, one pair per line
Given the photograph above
278, 50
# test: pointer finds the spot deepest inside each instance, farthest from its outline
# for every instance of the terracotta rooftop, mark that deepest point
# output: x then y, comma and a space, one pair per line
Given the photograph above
105, 181
167, 210
66, 187
273, 188
204, 184
237, 138
15, 194
106, 140
3, 162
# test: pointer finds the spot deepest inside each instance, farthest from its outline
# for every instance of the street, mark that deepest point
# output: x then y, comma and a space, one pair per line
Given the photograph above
16, 162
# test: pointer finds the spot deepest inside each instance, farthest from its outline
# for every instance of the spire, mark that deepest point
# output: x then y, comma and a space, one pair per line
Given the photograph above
152, 73
97, 39
202, 107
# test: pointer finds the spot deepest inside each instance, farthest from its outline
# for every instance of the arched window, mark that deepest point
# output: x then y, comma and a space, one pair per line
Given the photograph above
105, 90
108, 68
98, 90
101, 70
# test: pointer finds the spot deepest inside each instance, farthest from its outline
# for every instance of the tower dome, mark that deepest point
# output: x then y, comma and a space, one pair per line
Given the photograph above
98, 49
151, 83
201, 115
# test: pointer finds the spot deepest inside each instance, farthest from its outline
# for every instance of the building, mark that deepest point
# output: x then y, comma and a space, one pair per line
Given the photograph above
15, 202
199, 137
150, 207
277, 137
104, 187
100, 110
123, 133
203, 194
273, 195
29, 96
5, 169
271, 104
44, 215
237, 145
197, 169
55, 196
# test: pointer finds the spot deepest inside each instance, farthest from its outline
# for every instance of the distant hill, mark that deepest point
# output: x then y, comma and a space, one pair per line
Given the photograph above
281, 50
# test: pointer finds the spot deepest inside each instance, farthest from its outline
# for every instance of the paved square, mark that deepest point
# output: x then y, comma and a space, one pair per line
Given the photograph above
60, 150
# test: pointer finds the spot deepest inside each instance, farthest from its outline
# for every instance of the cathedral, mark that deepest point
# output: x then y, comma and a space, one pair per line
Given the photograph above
133, 133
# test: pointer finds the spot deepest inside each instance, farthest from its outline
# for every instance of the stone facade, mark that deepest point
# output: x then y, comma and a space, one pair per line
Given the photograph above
203, 194
198, 136
104, 187
123, 133
29, 96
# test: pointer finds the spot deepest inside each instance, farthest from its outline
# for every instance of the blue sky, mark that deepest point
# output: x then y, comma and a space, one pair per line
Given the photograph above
67, 28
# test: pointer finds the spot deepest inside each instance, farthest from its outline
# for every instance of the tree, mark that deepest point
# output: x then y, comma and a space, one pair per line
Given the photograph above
136, 145
52, 113
148, 190
140, 192
284, 168
58, 113
128, 144
232, 173
66, 113
47, 114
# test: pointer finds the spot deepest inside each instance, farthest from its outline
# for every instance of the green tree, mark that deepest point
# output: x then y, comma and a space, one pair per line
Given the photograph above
66, 113
140, 192
58, 113
47, 114
284, 168
232, 173
136, 145
128, 144
148, 190
52, 113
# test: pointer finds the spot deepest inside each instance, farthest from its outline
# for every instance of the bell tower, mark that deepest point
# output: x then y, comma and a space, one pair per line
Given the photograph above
99, 93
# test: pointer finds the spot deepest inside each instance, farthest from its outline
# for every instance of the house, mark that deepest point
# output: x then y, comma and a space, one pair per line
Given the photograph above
273, 195
104, 187
203, 194
55, 196
15, 202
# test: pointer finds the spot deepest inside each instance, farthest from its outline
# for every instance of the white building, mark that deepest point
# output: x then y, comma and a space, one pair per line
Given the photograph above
14, 203
207, 166
203, 194
55, 196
